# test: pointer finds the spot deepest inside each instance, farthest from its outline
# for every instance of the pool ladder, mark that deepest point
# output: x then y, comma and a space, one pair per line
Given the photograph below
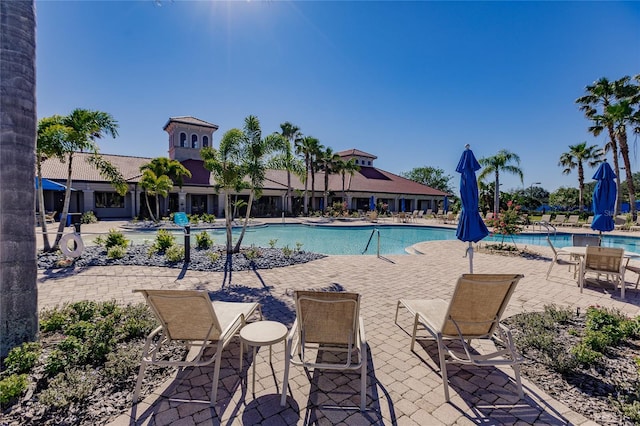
369, 242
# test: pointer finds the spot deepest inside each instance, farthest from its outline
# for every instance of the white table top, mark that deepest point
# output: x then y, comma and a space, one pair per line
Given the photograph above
581, 251
262, 333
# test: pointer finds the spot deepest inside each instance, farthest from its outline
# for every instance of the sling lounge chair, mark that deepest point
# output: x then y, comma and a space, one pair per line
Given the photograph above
556, 259
572, 220
327, 322
190, 317
604, 260
474, 312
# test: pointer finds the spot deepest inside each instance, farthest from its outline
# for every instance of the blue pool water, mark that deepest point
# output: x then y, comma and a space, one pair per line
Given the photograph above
354, 239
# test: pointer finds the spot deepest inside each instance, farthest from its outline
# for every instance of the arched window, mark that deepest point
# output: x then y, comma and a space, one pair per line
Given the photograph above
194, 141
183, 139
205, 141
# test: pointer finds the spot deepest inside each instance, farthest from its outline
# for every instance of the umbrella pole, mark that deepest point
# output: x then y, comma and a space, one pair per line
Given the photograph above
470, 252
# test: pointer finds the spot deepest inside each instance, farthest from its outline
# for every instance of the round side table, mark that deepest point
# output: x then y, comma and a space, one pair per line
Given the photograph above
262, 333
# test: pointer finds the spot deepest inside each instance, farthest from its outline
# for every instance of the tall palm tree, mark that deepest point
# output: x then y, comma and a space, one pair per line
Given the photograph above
346, 167
308, 147
575, 158
254, 151
156, 186
86, 127
18, 273
291, 134
163, 166
496, 164
328, 161
599, 96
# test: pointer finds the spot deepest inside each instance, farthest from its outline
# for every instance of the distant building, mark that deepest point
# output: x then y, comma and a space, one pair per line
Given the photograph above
187, 136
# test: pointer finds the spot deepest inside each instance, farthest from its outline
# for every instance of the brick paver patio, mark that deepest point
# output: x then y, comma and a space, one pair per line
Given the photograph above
403, 388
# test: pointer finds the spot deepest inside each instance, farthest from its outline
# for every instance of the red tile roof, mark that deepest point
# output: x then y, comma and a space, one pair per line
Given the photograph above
190, 120
356, 153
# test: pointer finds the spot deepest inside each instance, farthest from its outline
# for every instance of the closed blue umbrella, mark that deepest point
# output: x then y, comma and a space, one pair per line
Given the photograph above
445, 204
402, 204
372, 203
604, 198
471, 227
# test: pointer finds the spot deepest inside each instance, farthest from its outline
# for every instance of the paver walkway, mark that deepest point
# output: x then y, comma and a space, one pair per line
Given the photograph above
403, 388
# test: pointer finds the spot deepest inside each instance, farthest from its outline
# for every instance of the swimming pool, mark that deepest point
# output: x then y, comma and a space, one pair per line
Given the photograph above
354, 239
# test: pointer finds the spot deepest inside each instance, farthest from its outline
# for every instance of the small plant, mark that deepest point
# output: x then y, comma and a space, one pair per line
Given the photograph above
65, 389
585, 355
203, 241
174, 253
286, 251
299, 246
116, 252
252, 253
88, 217
214, 256
272, 242
164, 240
22, 358
52, 320
12, 387
122, 363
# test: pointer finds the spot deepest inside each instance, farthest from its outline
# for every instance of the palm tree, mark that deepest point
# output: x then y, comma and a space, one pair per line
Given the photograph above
346, 167
254, 151
308, 147
50, 139
494, 165
228, 173
156, 186
599, 95
575, 158
87, 126
328, 161
291, 134
18, 290
163, 166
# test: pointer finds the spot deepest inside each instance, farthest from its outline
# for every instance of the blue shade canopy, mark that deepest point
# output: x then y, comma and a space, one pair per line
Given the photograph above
604, 198
372, 203
471, 227
49, 185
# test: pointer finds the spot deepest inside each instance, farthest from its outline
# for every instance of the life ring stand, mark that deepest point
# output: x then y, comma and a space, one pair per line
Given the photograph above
78, 244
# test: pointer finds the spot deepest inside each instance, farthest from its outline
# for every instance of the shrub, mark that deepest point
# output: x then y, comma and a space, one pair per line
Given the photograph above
299, 246
208, 218
137, 322
598, 318
12, 387
164, 240
174, 253
203, 241
22, 358
123, 362
70, 351
252, 253
117, 252
88, 217
286, 251
67, 388
585, 355
559, 314
214, 256
83, 310
52, 320
272, 242
112, 239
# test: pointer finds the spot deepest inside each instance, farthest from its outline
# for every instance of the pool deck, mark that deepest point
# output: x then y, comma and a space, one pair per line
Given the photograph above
403, 388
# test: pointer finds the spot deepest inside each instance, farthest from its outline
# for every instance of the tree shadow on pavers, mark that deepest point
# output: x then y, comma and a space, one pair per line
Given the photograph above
490, 394
273, 308
267, 408
189, 393
334, 396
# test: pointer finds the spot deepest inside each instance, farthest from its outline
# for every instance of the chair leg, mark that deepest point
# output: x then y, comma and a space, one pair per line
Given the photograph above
443, 367
363, 380
285, 381
216, 375
553, 261
415, 331
136, 392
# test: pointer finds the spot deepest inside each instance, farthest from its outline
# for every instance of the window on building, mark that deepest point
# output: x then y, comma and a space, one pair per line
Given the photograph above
356, 161
183, 139
194, 141
369, 163
205, 141
108, 200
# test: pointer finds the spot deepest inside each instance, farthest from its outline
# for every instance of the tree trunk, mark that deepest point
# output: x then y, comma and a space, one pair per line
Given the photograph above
326, 189
580, 186
496, 196
306, 195
42, 213
236, 249
146, 198
65, 208
288, 205
158, 207
624, 151
228, 222
18, 122
616, 166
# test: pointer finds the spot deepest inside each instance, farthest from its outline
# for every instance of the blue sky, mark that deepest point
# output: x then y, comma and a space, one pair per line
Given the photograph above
410, 82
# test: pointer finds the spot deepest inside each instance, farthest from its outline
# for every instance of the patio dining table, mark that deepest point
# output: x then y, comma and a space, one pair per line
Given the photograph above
581, 251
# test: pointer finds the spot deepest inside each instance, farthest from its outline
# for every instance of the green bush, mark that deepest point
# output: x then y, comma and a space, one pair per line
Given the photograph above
214, 256
52, 320
117, 252
12, 387
203, 241
559, 314
286, 251
208, 218
74, 386
83, 310
123, 362
164, 240
22, 358
252, 253
174, 253
112, 239
88, 217
585, 355
272, 242
136, 322
299, 246
598, 318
